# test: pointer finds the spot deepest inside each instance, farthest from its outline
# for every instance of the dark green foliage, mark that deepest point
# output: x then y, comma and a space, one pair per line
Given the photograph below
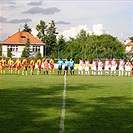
95, 47
26, 51
9, 53
38, 56
83, 46
47, 34
131, 38
60, 48
0, 51
26, 28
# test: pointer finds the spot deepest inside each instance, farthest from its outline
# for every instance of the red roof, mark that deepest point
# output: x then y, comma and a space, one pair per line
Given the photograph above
21, 38
129, 44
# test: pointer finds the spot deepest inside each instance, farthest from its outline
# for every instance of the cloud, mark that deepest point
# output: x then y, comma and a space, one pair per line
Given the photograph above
35, 3
14, 21
62, 22
98, 29
3, 20
73, 31
8, 2
35, 10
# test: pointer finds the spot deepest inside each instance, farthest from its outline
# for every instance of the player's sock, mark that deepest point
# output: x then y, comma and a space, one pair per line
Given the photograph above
86, 72
11, 71
71, 72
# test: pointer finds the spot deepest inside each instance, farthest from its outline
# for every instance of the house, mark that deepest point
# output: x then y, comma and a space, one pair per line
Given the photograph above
17, 41
129, 47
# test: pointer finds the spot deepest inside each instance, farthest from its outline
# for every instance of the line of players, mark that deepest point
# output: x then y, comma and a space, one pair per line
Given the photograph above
97, 66
18, 64
110, 67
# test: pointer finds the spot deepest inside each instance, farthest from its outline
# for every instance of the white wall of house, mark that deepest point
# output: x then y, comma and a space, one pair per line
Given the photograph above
41, 50
128, 48
17, 53
4, 50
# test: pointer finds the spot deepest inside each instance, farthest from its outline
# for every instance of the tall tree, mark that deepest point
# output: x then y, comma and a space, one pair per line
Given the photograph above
51, 38
60, 47
47, 34
131, 39
94, 47
42, 30
26, 51
9, 53
26, 28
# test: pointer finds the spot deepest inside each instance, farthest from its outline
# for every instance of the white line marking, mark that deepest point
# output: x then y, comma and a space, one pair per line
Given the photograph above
63, 108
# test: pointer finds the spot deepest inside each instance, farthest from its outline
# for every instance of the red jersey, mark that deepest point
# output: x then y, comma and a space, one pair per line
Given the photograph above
39, 63
25, 63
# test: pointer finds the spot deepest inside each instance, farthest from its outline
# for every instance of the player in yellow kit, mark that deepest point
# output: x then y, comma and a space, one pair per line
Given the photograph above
3, 65
25, 65
32, 66
18, 65
10, 65
0, 66
39, 64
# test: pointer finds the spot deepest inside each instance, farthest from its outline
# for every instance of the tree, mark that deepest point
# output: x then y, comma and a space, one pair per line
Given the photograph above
94, 47
26, 28
60, 47
26, 51
38, 56
9, 53
47, 34
131, 39
51, 38
0, 51
41, 28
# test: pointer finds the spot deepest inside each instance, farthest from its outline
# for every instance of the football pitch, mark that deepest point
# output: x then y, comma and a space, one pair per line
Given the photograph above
71, 104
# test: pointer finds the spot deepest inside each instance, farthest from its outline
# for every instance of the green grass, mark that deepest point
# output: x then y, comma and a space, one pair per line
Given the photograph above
94, 104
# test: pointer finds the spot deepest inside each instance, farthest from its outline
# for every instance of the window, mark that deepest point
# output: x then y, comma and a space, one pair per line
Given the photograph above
13, 48
36, 48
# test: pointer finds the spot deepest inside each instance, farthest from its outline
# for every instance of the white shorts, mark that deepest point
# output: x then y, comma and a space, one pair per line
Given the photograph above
94, 68
121, 68
113, 68
80, 68
86, 68
127, 68
99, 68
106, 68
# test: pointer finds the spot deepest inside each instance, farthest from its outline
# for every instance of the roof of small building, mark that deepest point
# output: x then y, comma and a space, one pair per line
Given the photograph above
21, 37
129, 44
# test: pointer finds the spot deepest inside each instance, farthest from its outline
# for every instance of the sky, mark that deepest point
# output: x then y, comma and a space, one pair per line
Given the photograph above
113, 17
